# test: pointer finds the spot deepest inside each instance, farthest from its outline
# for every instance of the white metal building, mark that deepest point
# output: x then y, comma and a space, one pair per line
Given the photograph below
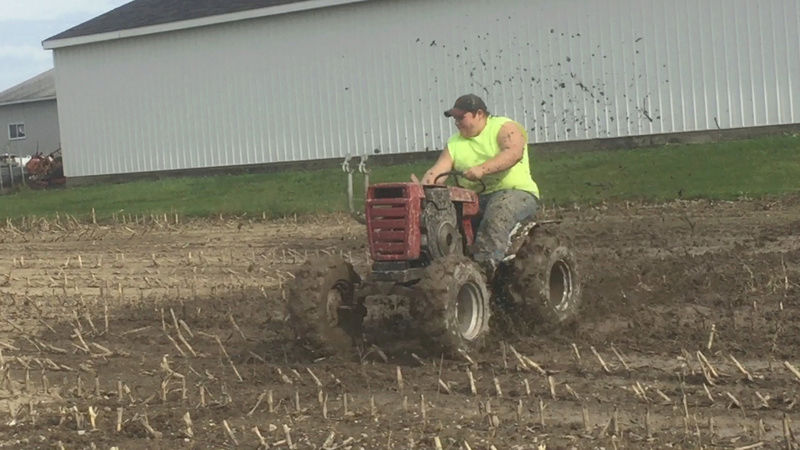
29, 117
178, 84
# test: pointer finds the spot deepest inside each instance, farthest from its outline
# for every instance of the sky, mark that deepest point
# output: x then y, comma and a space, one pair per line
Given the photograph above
24, 24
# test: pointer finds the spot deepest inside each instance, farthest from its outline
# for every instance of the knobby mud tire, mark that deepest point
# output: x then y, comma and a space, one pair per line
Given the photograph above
435, 310
310, 306
546, 283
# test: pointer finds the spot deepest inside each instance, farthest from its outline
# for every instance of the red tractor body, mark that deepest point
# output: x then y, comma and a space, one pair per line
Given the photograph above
395, 225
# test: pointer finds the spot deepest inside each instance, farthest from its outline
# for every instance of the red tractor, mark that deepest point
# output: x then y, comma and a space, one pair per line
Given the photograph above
423, 281
45, 171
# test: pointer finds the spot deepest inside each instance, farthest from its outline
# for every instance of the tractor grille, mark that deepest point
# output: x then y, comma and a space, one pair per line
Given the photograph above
393, 214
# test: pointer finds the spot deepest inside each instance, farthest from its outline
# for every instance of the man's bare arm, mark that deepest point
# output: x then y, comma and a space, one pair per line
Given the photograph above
512, 144
442, 165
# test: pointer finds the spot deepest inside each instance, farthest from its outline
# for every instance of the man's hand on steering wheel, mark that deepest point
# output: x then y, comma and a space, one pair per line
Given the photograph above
475, 173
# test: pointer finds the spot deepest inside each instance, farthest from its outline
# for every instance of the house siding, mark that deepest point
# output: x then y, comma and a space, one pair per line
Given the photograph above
41, 128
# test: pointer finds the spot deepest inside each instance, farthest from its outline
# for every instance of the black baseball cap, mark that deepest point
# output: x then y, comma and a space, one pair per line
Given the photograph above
466, 103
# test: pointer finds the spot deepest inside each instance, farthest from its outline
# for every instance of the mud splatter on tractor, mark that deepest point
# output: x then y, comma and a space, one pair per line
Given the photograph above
424, 286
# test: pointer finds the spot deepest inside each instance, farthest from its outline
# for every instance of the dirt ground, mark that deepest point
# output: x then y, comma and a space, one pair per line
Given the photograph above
165, 335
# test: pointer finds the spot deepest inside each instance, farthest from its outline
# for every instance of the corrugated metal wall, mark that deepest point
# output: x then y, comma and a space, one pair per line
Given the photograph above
377, 75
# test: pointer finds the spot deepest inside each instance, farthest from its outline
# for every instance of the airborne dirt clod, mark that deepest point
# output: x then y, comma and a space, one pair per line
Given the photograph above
167, 336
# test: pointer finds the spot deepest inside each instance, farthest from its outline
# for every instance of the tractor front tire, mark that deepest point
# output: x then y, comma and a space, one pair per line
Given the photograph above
452, 307
322, 309
546, 282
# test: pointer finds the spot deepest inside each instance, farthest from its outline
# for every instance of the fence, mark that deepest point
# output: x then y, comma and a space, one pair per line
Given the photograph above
12, 171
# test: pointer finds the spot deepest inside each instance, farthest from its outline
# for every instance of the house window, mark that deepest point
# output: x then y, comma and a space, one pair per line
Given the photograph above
16, 131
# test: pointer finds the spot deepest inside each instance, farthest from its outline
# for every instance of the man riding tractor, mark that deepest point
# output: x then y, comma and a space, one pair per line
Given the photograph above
430, 269
491, 152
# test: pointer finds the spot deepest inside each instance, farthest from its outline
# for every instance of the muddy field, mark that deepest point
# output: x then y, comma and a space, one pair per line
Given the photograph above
173, 335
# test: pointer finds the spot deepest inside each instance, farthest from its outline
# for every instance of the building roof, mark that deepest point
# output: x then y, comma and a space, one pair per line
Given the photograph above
40, 87
151, 16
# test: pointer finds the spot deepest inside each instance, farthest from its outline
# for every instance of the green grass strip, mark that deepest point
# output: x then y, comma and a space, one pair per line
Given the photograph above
751, 168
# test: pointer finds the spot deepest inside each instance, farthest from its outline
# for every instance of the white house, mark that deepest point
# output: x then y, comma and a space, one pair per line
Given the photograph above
29, 117
160, 85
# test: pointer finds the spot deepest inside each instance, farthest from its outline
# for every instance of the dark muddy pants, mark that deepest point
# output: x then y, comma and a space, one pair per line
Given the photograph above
500, 212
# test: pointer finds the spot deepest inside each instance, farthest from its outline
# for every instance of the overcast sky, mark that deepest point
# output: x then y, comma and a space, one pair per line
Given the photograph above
24, 24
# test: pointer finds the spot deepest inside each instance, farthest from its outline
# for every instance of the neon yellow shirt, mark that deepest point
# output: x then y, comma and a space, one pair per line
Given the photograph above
471, 152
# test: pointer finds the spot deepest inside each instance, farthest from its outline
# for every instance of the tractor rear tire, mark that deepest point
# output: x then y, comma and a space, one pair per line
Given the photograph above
546, 282
452, 307
322, 309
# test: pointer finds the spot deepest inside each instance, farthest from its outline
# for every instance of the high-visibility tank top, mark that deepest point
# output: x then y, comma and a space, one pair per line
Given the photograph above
470, 152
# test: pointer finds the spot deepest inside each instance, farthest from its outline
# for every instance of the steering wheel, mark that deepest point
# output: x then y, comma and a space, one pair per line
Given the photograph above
457, 174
